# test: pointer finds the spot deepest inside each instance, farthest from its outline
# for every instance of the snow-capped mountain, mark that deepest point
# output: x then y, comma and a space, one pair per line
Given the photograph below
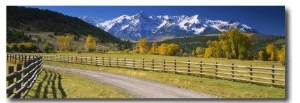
141, 25
91, 20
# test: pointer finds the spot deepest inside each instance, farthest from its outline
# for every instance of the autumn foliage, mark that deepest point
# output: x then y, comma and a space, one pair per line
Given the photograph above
90, 44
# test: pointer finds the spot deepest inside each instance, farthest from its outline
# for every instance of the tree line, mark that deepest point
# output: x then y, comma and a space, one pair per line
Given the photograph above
231, 44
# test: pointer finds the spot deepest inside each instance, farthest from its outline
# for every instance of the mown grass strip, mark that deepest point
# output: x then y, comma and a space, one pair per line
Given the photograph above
59, 84
218, 87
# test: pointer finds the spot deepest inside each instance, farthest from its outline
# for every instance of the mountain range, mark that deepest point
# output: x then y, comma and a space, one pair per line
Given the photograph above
141, 25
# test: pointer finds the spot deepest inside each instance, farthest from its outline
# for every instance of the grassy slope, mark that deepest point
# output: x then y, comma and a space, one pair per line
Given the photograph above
222, 88
58, 84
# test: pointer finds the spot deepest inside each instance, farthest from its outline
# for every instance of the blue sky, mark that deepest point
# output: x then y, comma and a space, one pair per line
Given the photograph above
265, 19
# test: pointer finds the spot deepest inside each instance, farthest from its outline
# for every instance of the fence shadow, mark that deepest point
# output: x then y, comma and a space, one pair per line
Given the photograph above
49, 87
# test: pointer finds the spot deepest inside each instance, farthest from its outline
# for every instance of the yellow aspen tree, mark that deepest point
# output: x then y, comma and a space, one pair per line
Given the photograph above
272, 51
90, 44
142, 45
154, 48
281, 54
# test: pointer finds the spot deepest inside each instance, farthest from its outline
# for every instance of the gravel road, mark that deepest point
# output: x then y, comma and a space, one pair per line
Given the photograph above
137, 88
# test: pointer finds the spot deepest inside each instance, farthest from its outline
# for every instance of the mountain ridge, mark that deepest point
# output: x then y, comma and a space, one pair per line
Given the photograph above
141, 25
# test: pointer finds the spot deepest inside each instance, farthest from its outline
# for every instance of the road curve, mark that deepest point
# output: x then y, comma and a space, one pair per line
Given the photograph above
137, 88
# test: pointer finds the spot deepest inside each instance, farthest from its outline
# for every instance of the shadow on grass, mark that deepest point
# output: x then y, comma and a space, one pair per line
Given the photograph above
48, 87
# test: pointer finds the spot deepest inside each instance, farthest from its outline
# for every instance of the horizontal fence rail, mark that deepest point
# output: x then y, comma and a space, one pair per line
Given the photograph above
259, 75
20, 81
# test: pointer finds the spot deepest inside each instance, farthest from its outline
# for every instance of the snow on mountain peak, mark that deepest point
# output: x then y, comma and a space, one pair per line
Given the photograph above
141, 25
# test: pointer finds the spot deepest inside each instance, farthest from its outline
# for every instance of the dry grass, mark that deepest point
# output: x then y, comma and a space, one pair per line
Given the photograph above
219, 87
59, 84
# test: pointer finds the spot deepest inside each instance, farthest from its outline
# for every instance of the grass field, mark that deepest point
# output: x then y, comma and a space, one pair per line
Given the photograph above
260, 75
58, 84
218, 87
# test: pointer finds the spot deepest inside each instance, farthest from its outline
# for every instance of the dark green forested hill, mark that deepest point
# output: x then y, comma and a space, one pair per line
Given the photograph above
37, 20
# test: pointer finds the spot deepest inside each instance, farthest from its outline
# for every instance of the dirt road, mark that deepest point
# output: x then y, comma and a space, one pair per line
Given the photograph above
137, 88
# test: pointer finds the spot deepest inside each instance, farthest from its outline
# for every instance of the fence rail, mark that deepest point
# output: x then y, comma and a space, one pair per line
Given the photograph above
261, 75
20, 81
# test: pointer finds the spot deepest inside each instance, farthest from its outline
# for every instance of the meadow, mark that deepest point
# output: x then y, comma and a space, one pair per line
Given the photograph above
219, 87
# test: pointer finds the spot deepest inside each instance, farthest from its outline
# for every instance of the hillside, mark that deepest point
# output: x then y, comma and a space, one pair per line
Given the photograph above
37, 20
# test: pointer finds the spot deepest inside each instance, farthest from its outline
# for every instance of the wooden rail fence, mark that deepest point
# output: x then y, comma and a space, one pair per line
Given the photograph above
20, 81
259, 75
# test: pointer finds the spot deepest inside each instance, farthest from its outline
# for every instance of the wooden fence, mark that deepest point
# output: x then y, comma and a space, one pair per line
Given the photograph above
20, 81
260, 75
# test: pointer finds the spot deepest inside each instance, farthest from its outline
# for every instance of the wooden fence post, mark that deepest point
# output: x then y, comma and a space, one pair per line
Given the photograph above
273, 75
251, 72
143, 64
19, 59
164, 65
175, 66
189, 67
125, 62
91, 60
102, 61
152, 63
11, 81
96, 61
76, 60
201, 69
133, 64
109, 61
117, 63
59, 58
216, 70
86, 60
232, 71
19, 67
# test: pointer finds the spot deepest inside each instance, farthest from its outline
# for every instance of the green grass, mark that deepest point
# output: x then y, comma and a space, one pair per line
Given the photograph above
59, 84
218, 87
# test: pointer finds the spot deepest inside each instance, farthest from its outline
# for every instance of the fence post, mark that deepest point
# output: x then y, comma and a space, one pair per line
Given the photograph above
117, 63
19, 67
76, 60
19, 59
175, 66
232, 71
91, 60
133, 64
86, 60
153, 64
96, 61
251, 72
189, 67
216, 70
15, 59
273, 75
125, 62
11, 81
109, 62
201, 69
102, 61
59, 58
143, 64
164, 65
